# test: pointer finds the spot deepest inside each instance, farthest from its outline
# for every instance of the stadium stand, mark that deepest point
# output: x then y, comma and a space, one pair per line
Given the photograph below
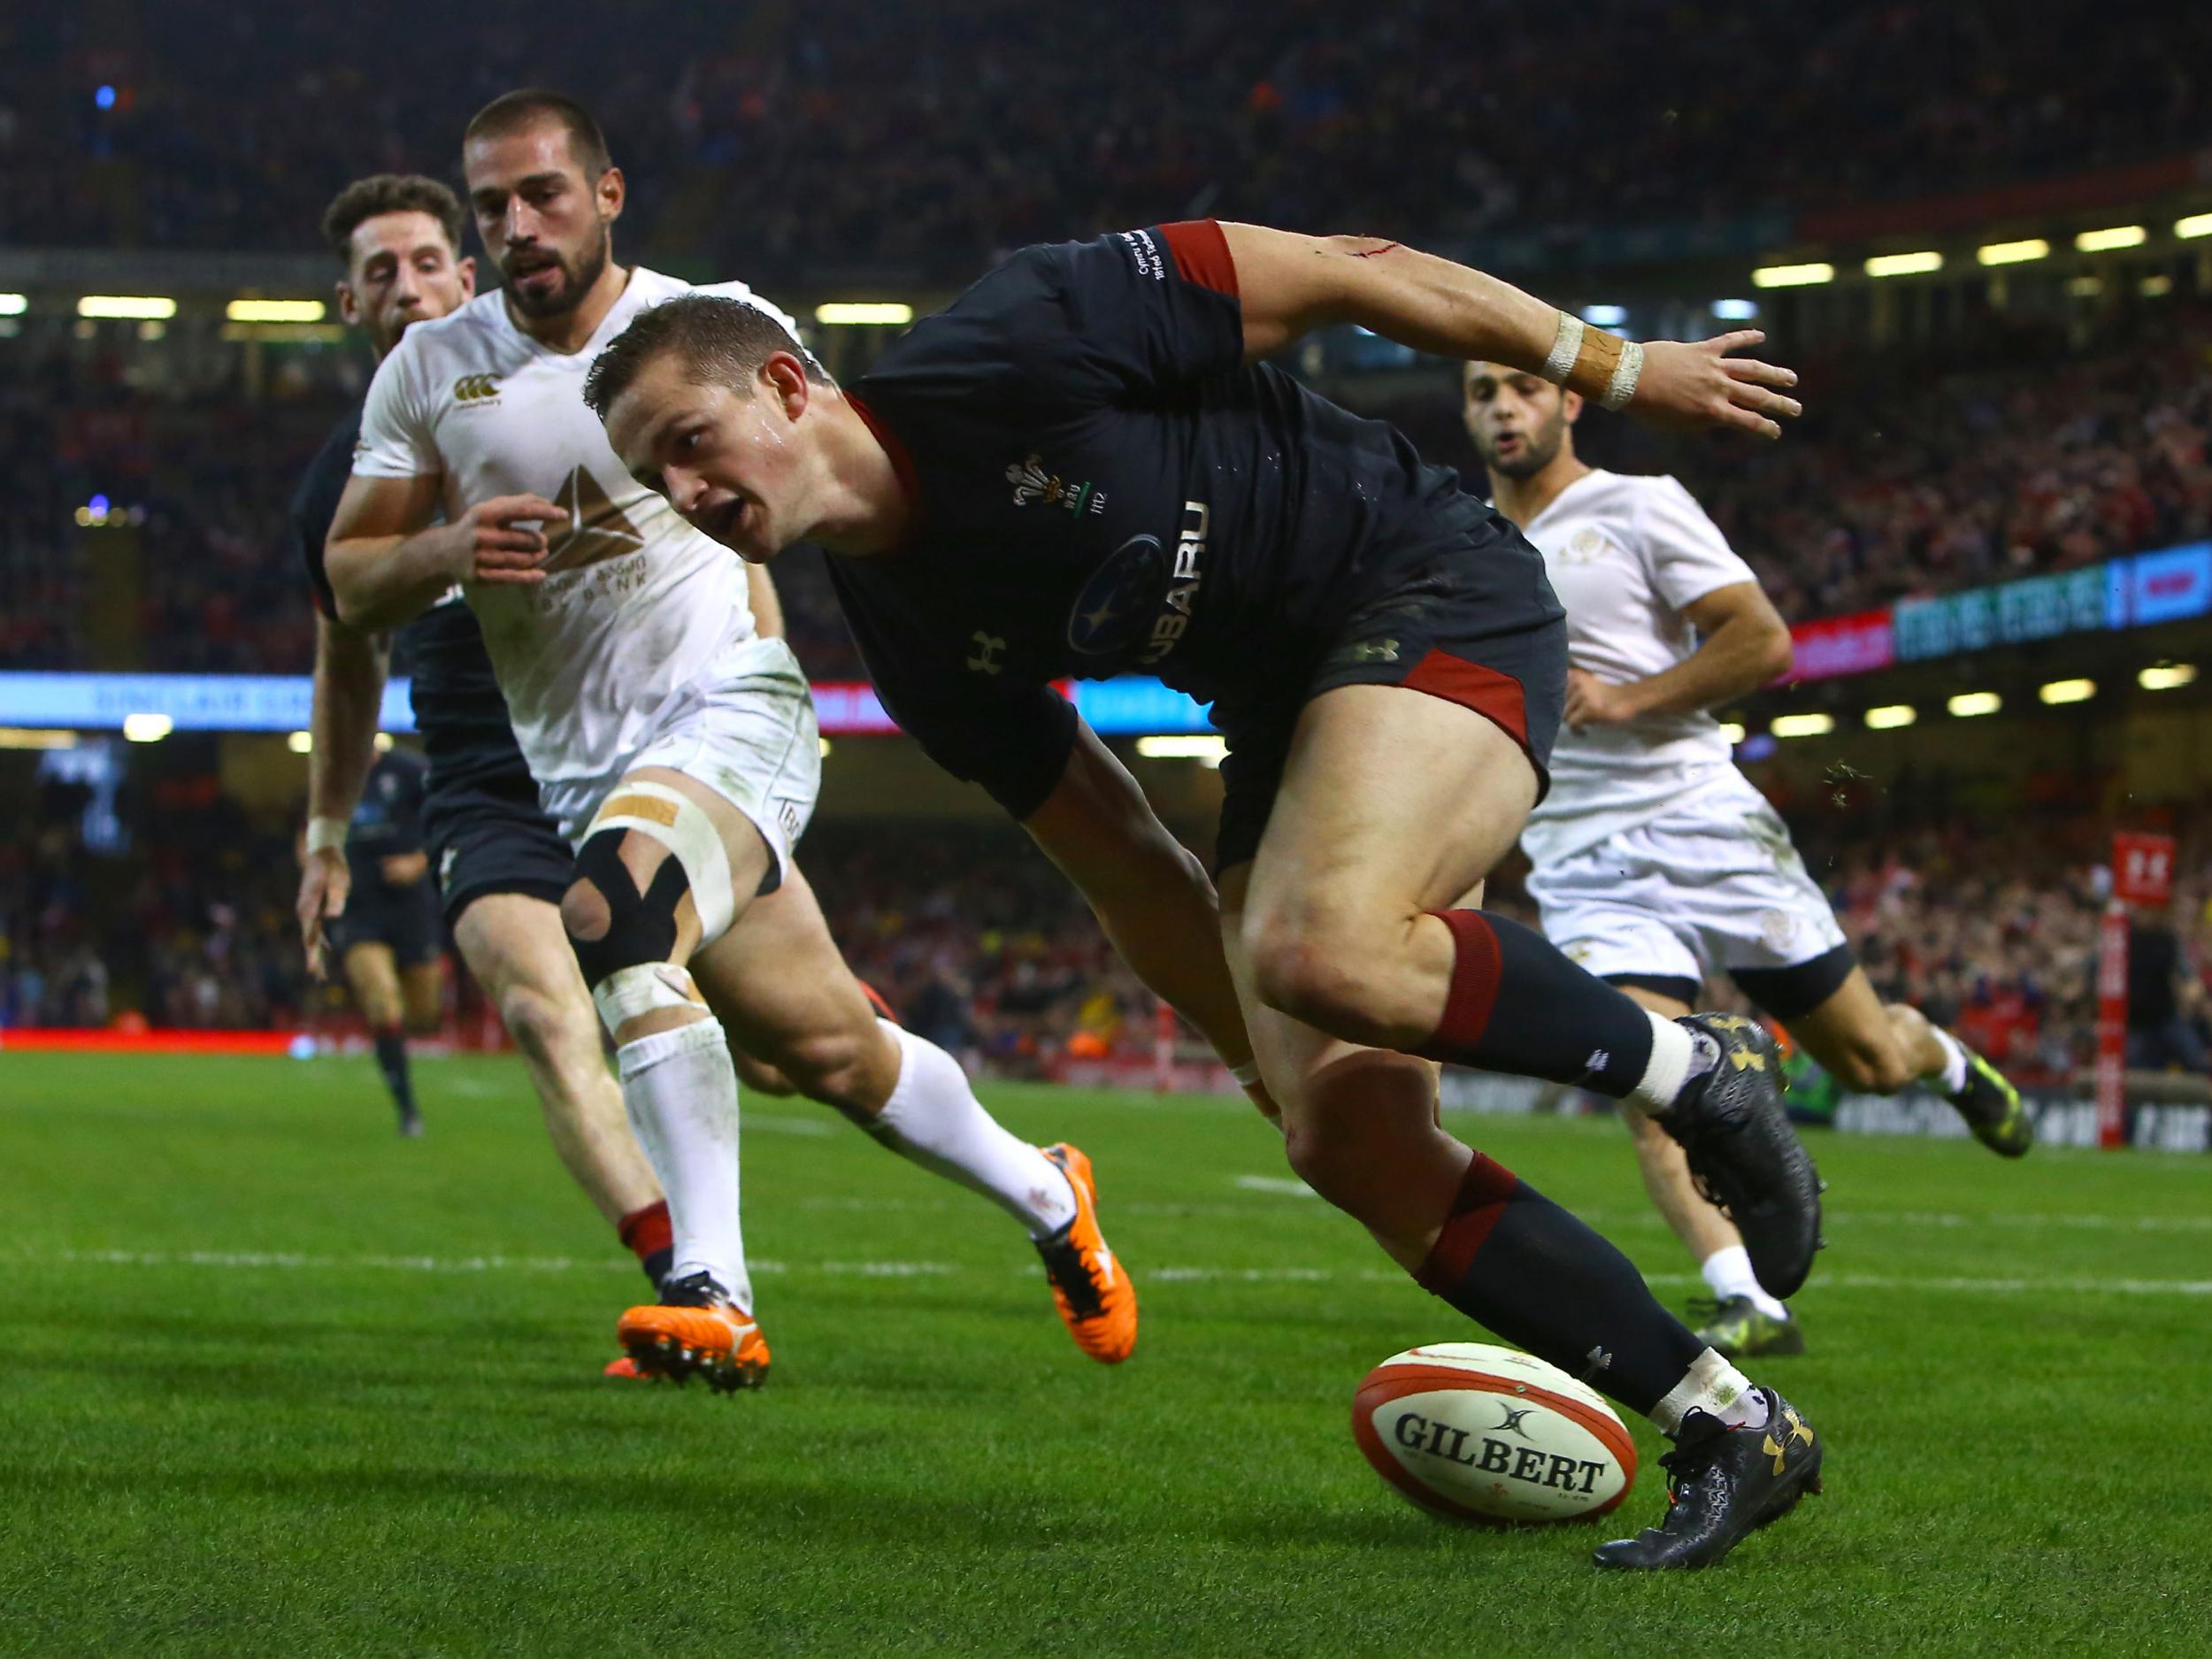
984, 949
1423, 119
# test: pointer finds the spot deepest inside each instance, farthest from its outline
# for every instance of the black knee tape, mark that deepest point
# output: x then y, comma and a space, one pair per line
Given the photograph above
641, 926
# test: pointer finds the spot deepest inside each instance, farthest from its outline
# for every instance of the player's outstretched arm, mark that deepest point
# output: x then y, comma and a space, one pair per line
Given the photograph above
350, 672
389, 561
1149, 892
1290, 285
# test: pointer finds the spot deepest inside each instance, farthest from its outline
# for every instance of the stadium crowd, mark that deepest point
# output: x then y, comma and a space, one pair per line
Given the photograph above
776, 141
986, 950
187, 928
1902, 488
187, 572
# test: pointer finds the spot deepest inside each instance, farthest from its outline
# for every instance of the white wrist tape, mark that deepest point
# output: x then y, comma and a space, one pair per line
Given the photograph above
681, 824
325, 835
1622, 387
1248, 1074
1566, 346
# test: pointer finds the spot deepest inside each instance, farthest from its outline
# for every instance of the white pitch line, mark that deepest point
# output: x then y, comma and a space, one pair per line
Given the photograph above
1287, 1185
1290, 1186
2078, 1285
754, 1123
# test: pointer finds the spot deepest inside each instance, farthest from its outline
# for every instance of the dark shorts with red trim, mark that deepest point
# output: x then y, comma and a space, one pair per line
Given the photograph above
1479, 627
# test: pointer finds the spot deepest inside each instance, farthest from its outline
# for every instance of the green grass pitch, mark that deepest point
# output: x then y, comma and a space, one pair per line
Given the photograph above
273, 1381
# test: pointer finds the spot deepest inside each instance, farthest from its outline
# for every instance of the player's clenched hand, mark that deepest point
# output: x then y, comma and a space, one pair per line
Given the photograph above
1593, 701
324, 884
1691, 385
503, 540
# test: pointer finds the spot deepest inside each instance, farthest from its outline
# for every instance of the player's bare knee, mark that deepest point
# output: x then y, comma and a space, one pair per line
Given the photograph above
585, 916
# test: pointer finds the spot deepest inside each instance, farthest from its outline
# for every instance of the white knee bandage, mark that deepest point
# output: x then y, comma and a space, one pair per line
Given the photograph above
681, 824
628, 992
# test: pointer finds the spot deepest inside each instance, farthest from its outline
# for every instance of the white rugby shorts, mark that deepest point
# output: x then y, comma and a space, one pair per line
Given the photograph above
745, 728
1714, 885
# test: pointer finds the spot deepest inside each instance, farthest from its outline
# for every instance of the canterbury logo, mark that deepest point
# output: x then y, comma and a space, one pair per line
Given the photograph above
475, 388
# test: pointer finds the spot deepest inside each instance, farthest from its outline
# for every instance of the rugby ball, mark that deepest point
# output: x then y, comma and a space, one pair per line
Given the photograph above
1482, 1434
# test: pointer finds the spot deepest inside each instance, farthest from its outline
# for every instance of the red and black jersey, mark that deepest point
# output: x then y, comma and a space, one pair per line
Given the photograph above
1101, 485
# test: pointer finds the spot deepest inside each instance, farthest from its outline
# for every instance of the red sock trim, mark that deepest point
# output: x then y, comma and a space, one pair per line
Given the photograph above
645, 1231
1480, 1200
1476, 966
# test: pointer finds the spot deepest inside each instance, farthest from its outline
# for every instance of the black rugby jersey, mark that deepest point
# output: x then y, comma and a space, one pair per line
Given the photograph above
388, 820
459, 708
1101, 485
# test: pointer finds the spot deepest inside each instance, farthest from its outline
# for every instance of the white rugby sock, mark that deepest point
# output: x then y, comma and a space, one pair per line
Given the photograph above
1728, 1273
1677, 1054
933, 1118
1712, 1385
1952, 1077
680, 1090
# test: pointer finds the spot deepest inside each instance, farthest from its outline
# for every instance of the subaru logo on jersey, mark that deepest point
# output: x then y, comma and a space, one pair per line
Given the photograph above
1190, 552
1109, 613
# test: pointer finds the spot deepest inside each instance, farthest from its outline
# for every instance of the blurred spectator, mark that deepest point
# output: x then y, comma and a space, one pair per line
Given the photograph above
2165, 1000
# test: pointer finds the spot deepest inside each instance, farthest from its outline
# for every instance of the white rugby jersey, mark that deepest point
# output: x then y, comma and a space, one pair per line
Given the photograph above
635, 602
1625, 556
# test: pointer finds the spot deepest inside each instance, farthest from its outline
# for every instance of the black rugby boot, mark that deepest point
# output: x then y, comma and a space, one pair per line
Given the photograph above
1723, 1485
1743, 1154
1994, 1109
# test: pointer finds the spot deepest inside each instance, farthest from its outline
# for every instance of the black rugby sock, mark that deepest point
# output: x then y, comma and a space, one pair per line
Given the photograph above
1518, 1005
1512, 1260
391, 1059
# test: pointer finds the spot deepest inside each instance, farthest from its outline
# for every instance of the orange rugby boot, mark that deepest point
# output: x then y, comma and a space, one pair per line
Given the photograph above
695, 1331
1089, 1286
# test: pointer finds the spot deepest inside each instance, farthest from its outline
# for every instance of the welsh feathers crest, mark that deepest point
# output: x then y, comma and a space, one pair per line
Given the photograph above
1028, 479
